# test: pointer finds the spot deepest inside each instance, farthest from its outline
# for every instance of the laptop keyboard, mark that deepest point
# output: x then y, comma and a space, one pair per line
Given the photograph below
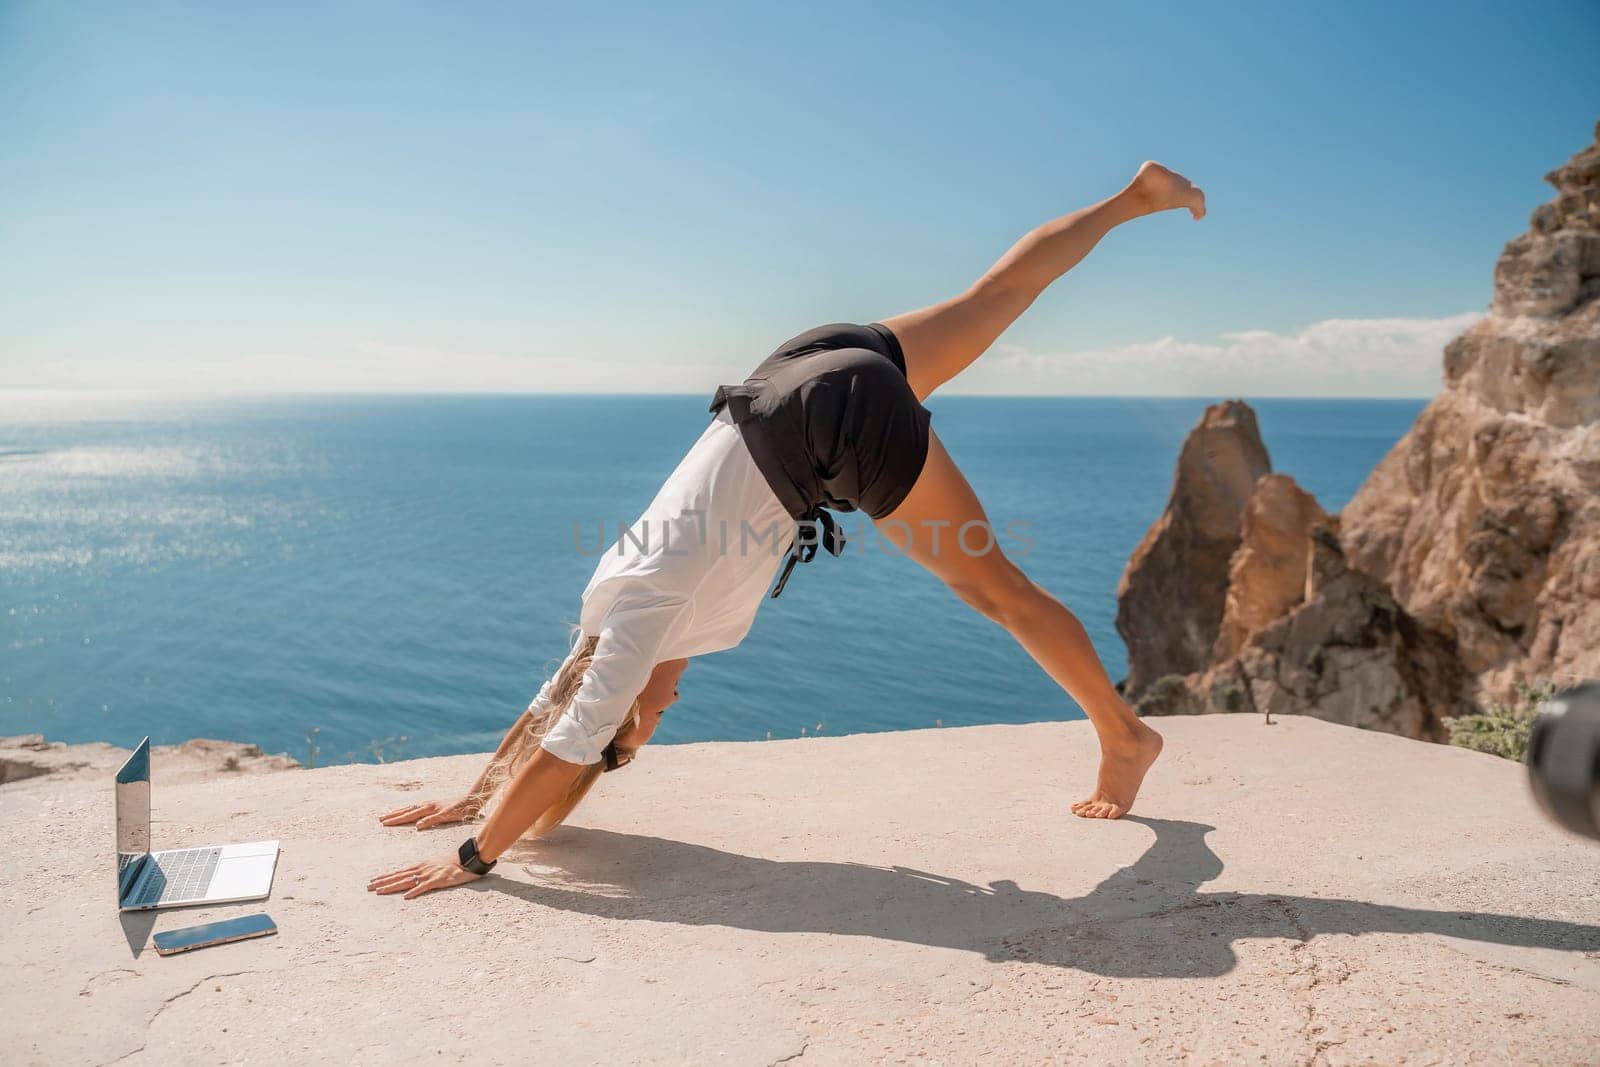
180, 875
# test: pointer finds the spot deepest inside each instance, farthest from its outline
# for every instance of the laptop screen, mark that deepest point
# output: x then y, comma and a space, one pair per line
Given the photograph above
133, 816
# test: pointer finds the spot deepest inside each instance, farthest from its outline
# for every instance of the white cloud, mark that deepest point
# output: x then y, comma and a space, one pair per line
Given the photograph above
1336, 357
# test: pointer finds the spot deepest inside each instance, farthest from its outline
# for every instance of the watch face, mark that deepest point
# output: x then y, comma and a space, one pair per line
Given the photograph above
469, 858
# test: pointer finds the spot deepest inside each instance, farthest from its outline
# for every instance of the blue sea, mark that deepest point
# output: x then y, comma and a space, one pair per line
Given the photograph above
362, 578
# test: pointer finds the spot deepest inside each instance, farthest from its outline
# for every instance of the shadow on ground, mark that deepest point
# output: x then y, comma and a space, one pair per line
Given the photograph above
136, 927
1148, 920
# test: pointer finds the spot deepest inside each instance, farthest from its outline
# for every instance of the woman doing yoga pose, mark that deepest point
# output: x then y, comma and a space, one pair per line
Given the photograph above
832, 419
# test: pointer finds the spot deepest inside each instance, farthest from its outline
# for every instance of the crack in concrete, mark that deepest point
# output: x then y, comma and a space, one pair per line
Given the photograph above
805, 1043
175, 997
1307, 963
86, 991
167, 1003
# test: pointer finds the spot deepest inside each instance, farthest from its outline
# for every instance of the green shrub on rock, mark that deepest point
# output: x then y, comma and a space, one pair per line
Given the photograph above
1167, 695
1503, 729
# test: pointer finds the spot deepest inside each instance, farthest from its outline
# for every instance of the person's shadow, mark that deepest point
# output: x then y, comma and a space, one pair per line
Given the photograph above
1147, 920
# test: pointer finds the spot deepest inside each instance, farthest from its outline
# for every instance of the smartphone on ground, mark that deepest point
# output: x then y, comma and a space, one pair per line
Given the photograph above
171, 942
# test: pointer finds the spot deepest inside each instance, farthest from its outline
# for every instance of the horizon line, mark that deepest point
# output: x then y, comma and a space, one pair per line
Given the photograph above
512, 393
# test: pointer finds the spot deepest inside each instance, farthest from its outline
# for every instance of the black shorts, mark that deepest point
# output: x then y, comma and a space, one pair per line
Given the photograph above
831, 421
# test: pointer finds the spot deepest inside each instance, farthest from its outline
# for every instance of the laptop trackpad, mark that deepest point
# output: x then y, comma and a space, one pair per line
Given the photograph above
244, 870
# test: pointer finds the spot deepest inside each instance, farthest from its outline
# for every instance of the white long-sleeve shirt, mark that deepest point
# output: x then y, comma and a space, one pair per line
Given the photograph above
685, 579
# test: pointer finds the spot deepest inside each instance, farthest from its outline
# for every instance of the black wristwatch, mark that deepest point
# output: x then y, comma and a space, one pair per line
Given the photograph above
468, 857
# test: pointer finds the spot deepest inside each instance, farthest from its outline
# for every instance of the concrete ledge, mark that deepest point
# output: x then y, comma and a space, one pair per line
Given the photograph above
1295, 893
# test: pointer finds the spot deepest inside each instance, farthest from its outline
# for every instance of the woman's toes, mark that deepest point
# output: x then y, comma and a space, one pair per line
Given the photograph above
1097, 807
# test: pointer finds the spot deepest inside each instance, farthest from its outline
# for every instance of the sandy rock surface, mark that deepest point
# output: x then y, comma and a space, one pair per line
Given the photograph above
1300, 893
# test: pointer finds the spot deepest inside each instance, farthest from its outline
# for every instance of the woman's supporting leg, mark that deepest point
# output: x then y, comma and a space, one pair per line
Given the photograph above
928, 527
943, 340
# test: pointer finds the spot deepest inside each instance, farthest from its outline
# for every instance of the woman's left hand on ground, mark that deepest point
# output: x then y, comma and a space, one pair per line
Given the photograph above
420, 878
431, 813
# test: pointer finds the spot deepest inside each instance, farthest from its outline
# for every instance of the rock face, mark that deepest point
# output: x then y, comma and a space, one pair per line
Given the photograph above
1304, 633
1189, 547
1343, 651
1484, 519
1468, 562
1267, 575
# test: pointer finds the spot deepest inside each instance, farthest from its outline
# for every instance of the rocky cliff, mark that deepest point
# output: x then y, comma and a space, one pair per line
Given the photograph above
1468, 562
1484, 519
1297, 630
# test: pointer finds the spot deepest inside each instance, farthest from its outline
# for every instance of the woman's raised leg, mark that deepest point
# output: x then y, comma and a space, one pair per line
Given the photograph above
942, 340
942, 526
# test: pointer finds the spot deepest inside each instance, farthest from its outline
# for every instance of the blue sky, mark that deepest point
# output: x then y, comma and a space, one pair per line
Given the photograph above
649, 198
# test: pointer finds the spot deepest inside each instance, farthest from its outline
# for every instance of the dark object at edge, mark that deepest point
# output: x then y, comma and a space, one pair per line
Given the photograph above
1564, 758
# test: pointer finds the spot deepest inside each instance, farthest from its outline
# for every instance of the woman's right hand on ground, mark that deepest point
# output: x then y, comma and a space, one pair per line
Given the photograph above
431, 813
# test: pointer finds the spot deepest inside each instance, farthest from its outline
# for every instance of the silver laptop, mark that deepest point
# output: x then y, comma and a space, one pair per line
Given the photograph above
172, 878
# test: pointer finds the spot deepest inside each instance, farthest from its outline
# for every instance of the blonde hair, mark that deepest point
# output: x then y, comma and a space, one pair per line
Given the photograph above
503, 768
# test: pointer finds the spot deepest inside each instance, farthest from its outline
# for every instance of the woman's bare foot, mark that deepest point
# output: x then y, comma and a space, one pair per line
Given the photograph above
1160, 189
1122, 771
